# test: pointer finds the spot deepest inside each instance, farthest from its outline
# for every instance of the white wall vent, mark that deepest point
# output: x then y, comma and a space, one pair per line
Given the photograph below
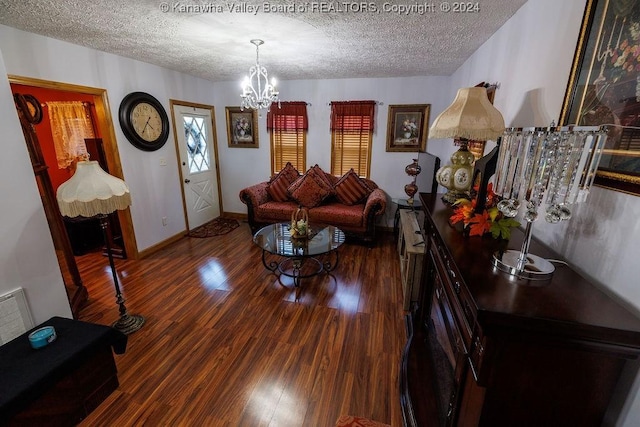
15, 317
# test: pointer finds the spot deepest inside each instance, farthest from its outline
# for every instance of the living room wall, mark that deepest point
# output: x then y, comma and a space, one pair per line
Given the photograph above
387, 169
531, 56
27, 254
155, 189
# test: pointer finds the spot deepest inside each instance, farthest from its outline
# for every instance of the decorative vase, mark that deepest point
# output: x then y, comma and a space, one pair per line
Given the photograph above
241, 132
411, 190
407, 135
413, 169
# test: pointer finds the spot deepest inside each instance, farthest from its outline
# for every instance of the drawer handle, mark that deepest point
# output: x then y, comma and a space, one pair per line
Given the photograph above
467, 309
456, 287
479, 347
450, 270
457, 344
452, 400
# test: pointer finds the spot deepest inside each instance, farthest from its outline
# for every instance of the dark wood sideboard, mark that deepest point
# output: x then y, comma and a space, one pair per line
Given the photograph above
485, 349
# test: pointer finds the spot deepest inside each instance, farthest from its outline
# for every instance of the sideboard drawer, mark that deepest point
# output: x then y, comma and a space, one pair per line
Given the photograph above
449, 340
457, 294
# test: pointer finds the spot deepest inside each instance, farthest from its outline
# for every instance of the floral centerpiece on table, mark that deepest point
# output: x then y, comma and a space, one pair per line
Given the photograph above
490, 220
299, 227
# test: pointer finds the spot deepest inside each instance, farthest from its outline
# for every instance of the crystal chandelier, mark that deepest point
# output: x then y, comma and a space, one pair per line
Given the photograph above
258, 94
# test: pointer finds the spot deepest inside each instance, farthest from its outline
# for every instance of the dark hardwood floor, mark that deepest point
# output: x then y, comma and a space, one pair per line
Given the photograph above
225, 343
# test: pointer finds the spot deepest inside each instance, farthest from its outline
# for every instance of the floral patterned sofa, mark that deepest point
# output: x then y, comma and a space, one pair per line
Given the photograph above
348, 202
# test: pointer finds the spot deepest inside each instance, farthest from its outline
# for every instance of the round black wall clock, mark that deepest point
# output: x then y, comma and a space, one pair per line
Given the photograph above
30, 107
144, 121
35, 109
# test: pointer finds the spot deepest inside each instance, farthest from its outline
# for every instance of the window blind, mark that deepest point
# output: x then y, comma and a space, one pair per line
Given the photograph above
351, 136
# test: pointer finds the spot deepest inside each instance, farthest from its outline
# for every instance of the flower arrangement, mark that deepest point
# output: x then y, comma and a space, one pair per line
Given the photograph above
409, 126
625, 57
299, 227
242, 124
490, 220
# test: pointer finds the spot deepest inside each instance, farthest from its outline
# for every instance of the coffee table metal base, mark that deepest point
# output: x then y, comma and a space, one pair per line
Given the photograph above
293, 266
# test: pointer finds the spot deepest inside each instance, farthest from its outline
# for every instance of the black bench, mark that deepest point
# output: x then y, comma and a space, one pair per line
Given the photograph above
61, 383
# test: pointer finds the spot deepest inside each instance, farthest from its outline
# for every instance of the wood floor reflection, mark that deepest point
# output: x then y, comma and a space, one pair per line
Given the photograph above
226, 343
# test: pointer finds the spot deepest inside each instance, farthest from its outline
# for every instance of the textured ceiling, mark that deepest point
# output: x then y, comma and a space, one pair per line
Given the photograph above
318, 40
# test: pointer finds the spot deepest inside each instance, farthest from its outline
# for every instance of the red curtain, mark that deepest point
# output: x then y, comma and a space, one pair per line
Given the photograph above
291, 116
352, 115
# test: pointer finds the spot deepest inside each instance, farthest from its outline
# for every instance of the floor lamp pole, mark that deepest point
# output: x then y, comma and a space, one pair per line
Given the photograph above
127, 323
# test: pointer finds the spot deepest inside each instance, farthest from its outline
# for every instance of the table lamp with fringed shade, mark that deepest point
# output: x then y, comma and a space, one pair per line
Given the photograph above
471, 116
91, 192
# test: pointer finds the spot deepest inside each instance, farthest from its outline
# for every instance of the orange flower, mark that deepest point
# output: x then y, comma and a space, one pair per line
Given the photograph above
491, 196
463, 212
480, 224
489, 221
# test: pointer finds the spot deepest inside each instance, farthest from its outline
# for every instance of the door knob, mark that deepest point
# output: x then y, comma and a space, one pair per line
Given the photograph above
186, 181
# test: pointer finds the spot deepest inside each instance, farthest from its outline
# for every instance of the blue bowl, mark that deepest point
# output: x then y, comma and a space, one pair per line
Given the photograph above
42, 336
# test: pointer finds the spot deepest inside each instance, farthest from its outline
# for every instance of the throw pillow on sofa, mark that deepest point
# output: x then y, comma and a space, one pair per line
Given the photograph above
320, 175
351, 190
308, 191
278, 185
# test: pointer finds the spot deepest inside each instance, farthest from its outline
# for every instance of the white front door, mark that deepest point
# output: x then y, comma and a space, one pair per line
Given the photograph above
195, 130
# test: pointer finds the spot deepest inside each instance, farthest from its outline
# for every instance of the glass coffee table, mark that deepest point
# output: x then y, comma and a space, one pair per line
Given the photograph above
302, 257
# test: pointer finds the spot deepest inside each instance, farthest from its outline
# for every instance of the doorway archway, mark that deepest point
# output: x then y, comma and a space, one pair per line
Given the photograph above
105, 126
109, 158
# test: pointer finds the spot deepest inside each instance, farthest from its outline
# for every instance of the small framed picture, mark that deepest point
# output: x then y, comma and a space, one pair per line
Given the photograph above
242, 127
407, 127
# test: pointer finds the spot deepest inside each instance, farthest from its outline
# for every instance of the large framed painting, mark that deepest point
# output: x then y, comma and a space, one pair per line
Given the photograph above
604, 88
242, 127
407, 127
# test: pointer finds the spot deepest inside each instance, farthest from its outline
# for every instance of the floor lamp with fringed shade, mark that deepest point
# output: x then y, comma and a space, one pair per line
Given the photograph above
91, 192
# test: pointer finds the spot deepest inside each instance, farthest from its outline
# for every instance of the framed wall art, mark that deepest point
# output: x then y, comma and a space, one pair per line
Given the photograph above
242, 127
604, 88
407, 127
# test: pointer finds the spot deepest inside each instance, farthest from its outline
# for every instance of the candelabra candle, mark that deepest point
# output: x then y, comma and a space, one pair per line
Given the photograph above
550, 167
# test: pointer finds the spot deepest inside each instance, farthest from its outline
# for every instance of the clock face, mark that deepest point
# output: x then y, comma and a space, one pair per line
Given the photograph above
144, 121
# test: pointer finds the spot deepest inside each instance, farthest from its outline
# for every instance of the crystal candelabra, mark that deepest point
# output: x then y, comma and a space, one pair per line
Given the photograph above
411, 189
257, 92
543, 167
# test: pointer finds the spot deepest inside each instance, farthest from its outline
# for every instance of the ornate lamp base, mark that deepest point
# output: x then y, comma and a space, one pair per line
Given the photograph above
452, 196
128, 323
456, 177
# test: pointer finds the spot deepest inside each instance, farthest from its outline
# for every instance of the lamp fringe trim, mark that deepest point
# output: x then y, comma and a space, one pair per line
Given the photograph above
483, 135
95, 207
